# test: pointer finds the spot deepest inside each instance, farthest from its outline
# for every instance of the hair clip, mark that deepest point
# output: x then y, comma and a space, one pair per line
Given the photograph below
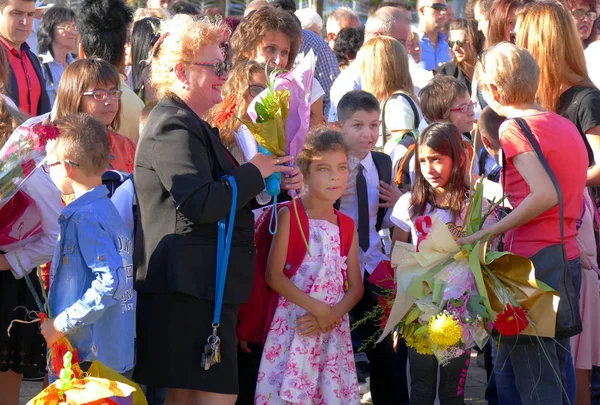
157, 41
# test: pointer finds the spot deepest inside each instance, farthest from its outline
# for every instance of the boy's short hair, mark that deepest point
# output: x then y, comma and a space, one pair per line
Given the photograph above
322, 140
84, 140
489, 126
356, 100
437, 97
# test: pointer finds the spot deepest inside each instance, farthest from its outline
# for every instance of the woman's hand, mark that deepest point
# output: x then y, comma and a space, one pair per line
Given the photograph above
389, 194
472, 239
293, 181
51, 332
269, 164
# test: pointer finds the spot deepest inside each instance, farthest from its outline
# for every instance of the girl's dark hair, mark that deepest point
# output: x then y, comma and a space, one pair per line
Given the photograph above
141, 44
52, 18
445, 139
103, 29
499, 14
320, 141
347, 43
474, 36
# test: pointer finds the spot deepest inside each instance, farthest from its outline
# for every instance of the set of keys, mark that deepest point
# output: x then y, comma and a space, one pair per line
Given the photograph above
212, 351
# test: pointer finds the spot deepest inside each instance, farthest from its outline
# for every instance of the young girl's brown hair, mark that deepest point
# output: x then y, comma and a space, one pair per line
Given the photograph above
77, 78
321, 141
240, 77
445, 139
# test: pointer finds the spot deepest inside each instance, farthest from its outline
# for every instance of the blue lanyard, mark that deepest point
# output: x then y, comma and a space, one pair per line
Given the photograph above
223, 249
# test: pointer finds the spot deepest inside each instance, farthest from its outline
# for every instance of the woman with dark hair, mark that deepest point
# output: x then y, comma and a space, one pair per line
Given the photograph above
503, 19
57, 36
347, 43
141, 44
466, 42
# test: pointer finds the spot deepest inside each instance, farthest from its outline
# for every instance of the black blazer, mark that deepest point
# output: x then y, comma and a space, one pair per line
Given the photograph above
44, 105
178, 168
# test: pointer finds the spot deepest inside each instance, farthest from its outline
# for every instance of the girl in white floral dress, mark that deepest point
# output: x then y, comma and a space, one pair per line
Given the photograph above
308, 358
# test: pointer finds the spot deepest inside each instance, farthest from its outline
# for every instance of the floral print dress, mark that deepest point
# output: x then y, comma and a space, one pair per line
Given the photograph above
317, 369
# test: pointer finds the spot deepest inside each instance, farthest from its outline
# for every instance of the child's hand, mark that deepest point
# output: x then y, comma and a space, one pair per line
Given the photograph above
389, 194
325, 317
307, 325
50, 332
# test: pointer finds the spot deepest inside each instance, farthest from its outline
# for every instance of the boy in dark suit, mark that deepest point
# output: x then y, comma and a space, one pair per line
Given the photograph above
367, 199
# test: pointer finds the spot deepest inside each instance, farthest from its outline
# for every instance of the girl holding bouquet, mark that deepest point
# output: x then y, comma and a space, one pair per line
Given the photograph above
308, 355
441, 164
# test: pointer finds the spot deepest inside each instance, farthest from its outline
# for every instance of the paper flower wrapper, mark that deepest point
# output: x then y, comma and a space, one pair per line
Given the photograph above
424, 273
89, 390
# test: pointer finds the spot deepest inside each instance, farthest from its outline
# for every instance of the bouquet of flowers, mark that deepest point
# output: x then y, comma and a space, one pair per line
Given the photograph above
280, 119
78, 390
23, 153
448, 298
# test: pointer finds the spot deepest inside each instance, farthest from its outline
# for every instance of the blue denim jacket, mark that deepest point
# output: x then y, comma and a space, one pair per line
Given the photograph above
91, 281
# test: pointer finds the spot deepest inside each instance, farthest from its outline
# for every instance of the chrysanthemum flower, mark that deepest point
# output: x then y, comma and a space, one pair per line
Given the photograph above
444, 330
226, 111
420, 343
512, 321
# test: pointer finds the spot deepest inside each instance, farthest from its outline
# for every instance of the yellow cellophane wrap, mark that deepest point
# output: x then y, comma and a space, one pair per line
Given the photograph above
417, 274
271, 134
84, 391
98, 369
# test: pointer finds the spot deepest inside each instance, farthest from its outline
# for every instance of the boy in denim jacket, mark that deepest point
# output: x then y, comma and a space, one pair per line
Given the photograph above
91, 279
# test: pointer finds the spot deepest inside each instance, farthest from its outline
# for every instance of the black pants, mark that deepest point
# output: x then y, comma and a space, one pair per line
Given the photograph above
423, 379
382, 358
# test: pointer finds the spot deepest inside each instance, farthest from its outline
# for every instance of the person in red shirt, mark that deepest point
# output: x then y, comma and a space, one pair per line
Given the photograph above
92, 86
509, 77
27, 87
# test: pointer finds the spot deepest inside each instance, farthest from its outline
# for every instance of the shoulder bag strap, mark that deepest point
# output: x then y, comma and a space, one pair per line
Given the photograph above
538, 151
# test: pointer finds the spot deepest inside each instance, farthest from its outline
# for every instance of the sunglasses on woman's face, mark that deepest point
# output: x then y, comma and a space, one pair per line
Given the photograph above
458, 43
220, 68
255, 89
439, 7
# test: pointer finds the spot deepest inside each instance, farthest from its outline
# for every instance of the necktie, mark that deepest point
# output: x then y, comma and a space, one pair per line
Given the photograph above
363, 209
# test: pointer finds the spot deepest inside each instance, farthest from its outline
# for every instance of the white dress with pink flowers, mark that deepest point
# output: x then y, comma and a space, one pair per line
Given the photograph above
317, 369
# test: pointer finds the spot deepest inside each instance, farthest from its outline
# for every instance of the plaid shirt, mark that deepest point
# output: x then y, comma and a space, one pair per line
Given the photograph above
327, 69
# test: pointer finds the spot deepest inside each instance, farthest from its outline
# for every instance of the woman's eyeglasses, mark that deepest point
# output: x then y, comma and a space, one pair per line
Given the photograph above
255, 89
581, 14
458, 43
463, 108
220, 68
68, 28
46, 166
103, 94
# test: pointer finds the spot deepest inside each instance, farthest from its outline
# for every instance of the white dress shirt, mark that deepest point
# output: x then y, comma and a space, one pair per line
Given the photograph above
347, 81
370, 259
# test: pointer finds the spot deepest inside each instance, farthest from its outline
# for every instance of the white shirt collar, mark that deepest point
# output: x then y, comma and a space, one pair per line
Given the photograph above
368, 162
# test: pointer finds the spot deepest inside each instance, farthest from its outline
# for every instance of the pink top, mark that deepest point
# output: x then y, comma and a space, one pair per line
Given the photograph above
563, 147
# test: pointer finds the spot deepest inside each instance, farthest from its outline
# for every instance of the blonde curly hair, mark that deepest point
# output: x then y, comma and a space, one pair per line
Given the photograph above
180, 40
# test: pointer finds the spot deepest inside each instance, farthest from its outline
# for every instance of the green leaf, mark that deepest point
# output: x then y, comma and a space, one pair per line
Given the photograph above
421, 330
474, 220
476, 270
476, 307
413, 314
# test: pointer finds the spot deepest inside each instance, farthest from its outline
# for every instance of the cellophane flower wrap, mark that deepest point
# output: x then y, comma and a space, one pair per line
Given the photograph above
21, 155
448, 298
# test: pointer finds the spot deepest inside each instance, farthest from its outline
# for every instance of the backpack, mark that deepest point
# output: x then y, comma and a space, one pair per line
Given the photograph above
413, 106
113, 179
256, 314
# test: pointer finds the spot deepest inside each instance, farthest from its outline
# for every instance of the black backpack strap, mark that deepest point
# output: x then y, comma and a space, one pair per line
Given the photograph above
383, 164
406, 168
413, 106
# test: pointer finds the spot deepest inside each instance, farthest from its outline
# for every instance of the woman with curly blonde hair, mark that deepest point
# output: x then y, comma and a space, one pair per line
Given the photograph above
179, 170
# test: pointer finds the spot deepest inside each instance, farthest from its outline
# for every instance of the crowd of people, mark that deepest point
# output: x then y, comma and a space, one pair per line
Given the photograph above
403, 116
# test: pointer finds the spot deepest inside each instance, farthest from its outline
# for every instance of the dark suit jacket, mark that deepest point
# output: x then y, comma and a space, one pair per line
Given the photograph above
44, 105
178, 168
